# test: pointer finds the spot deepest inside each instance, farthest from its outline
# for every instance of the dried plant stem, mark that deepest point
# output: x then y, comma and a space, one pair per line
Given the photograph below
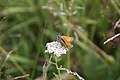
20, 77
73, 73
110, 39
45, 68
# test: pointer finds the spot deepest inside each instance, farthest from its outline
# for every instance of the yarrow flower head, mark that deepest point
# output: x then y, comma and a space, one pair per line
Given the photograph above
56, 48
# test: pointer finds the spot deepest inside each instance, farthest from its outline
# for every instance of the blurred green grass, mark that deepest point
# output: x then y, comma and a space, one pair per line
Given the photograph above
28, 27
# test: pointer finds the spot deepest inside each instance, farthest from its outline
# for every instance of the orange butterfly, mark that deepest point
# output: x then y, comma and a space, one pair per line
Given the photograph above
66, 40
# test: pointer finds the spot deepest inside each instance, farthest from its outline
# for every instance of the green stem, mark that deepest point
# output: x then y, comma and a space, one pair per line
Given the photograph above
57, 68
68, 60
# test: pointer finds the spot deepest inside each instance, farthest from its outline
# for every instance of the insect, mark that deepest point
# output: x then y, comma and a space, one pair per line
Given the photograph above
65, 40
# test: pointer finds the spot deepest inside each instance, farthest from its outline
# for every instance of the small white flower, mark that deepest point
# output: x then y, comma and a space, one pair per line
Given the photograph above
56, 48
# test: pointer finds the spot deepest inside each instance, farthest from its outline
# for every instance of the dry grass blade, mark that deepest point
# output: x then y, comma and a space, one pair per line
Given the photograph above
110, 39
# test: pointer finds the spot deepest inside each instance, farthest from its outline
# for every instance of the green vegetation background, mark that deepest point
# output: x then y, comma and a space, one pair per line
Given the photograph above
25, 28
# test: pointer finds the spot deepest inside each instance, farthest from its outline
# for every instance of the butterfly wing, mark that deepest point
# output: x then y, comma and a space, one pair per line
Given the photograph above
67, 41
67, 38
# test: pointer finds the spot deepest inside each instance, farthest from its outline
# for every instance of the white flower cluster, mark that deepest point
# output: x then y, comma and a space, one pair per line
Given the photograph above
56, 48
